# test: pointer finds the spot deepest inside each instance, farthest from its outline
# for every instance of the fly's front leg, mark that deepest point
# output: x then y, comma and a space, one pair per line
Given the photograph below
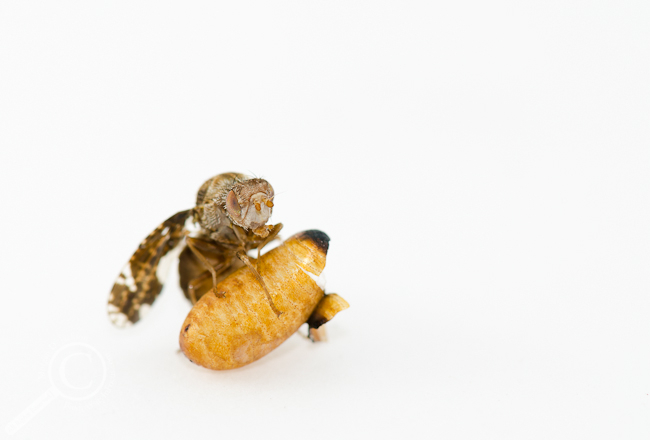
240, 233
243, 257
215, 271
241, 254
273, 234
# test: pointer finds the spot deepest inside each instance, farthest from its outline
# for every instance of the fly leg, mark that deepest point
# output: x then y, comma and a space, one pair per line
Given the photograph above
243, 257
241, 254
273, 234
195, 286
214, 271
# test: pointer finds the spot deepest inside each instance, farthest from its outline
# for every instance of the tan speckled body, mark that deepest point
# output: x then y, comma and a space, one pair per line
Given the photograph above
230, 332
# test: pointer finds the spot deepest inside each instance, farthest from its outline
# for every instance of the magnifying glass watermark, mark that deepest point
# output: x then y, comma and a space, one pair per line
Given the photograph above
77, 372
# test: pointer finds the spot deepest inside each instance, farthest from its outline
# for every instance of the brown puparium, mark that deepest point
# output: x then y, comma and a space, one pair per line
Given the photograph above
238, 326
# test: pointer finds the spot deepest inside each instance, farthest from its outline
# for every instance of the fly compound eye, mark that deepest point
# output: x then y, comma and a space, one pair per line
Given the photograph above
232, 205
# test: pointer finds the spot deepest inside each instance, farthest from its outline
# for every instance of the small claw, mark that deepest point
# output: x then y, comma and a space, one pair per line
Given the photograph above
218, 294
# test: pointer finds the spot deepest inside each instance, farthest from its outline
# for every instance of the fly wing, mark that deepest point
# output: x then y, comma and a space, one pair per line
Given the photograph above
143, 277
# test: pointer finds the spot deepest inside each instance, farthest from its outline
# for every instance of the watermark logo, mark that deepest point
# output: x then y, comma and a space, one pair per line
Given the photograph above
77, 371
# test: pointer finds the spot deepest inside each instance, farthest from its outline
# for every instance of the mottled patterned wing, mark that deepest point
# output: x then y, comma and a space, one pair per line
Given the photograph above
143, 277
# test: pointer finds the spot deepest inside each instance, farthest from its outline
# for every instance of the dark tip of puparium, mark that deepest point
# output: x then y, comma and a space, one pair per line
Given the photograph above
319, 238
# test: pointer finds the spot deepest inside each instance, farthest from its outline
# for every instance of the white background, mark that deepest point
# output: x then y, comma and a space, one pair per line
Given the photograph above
482, 169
